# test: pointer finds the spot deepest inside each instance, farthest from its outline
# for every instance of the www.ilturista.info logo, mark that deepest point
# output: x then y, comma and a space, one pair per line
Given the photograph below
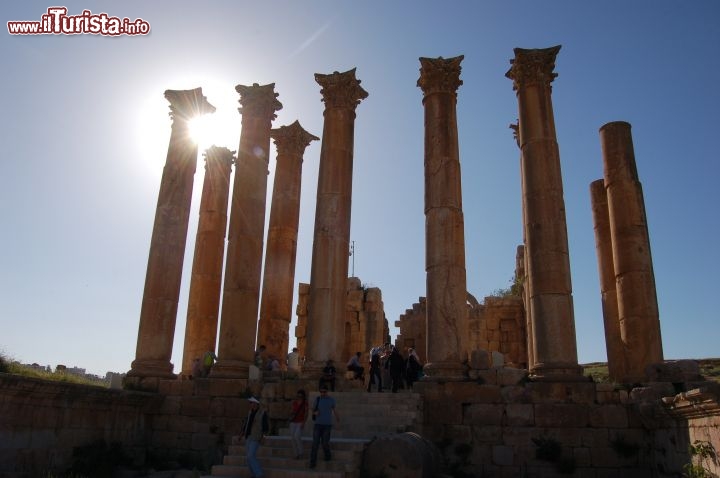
57, 22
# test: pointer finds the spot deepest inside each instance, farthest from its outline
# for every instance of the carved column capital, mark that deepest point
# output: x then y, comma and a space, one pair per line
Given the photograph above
533, 66
259, 100
291, 139
187, 104
341, 90
440, 75
220, 154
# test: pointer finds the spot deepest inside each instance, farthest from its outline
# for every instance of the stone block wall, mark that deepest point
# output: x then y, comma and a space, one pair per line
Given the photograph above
41, 422
365, 323
498, 325
499, 426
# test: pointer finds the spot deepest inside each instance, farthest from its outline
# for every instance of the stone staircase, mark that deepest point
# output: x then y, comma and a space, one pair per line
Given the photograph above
363, 417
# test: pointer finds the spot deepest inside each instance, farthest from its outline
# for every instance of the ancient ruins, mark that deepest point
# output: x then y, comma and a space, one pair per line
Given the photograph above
503, 394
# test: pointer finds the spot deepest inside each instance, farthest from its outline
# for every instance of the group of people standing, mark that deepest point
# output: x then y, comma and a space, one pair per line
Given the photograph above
402, 370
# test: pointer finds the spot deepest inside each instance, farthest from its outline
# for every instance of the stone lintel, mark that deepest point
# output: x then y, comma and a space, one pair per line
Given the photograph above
440, 75
292, 139
341, 90
532, 67
258, 100
187, 104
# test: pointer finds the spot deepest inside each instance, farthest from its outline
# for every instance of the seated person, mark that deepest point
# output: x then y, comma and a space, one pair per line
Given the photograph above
353, 365
328, 376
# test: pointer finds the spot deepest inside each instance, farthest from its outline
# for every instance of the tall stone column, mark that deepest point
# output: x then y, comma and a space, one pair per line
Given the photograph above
279, 276
529, 336
167, 245
341, 93
634, 276
205, 283
606, 269
243, 264
447, 311
546, 248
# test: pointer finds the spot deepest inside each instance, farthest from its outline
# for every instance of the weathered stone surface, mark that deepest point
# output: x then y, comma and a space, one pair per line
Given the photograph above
447, 314
329, 266
519, 415
480, 359
246, 233
158, 312
559, 415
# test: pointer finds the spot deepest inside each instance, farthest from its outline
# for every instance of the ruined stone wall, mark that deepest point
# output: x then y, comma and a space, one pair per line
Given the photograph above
365, 324
498, 325
412, 329
499, 426
41, 422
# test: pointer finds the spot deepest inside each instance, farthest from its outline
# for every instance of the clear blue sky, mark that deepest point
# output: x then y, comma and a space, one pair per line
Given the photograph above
85, 132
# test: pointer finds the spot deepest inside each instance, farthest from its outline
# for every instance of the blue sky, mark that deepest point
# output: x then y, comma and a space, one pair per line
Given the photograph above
85, 133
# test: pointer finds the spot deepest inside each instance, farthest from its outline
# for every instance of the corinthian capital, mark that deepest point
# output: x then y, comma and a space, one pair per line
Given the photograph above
257, 100
187, 104
440, 75
341, 90
291, 139
219, 154
533, 67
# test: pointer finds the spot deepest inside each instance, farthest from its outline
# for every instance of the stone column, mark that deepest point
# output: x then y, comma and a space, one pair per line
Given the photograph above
634, 276
167, 245
205, 283
529, 336
546, 247
341, 93
243, 264
606, 269
447, 311
279, 276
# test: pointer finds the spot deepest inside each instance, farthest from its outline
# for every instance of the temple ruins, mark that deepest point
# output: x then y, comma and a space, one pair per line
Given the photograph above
502, 392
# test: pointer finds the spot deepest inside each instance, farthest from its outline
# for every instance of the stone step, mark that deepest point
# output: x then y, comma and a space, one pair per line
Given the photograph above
276, 458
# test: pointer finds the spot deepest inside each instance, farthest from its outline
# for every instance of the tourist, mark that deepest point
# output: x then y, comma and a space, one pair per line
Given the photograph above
273, 364
413, 368
208, 361
298, 417
353, 365
258, 360
196, 368
395, 364
328, 375
256, 427
293, 363
375, 373
323, 411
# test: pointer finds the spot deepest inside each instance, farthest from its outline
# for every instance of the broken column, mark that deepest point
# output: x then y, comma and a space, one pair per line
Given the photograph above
447, 314
279, 276
608, 292
341, 93
634, 276
158, 313
546, 243
243, 264
205, 282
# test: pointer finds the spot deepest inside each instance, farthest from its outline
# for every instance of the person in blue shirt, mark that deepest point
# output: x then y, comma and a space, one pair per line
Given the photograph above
322, 413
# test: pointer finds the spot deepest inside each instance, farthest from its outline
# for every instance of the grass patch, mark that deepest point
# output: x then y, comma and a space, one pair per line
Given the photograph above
10, 366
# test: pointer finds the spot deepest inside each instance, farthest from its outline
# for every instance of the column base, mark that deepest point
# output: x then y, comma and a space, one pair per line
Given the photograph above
151, 368
557, 372
230, 369
445, 372
313, 370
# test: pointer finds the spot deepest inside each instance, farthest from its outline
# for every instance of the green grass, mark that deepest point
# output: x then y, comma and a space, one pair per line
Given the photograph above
10, 366
709, 368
